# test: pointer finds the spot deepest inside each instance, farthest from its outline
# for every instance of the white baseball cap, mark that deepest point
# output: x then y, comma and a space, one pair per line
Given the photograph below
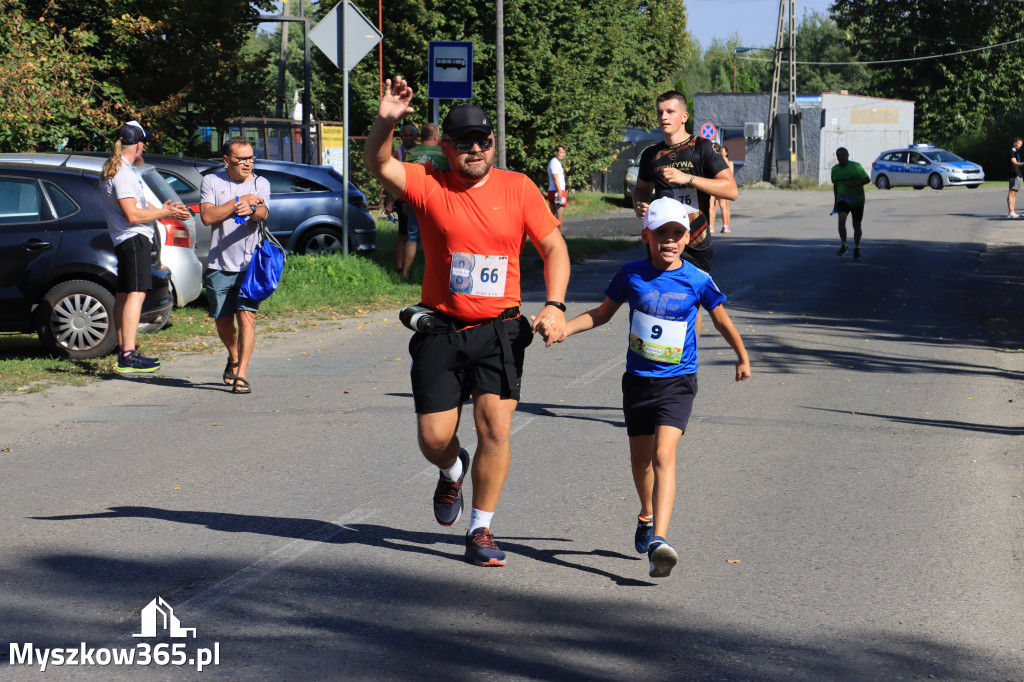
666, 210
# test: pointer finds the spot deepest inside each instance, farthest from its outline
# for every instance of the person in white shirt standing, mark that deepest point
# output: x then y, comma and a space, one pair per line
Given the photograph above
130, 223
558, 192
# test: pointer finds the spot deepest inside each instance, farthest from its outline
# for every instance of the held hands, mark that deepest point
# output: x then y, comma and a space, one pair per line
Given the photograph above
394, 103
176, 209
550, 324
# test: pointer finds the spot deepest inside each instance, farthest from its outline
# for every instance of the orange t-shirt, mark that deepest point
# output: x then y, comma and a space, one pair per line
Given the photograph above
472, 238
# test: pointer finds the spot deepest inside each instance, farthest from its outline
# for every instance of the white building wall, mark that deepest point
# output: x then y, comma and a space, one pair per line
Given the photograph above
866, 126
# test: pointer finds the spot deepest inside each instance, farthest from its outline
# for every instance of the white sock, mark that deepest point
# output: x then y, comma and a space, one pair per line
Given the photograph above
454, 471
479, 519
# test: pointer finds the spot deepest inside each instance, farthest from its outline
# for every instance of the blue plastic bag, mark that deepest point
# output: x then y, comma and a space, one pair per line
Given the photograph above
265, 268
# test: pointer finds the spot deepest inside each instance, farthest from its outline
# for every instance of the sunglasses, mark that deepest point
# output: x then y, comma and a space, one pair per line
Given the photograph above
243, 159
467, 144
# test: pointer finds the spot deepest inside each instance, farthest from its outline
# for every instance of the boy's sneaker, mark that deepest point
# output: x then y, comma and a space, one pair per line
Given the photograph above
448, 495
856, 252
663, 558
135, 362
842, 250
1012, 214
481, 550
644, 534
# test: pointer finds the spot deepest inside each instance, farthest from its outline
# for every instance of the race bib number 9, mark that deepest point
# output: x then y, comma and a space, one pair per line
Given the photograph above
657, 339
478, 275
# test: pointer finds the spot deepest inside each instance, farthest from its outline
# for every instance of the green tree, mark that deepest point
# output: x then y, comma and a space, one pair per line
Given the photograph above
576, 72
953, 94
174, 64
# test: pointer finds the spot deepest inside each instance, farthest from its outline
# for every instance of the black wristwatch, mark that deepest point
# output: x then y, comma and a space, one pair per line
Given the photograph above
557, 304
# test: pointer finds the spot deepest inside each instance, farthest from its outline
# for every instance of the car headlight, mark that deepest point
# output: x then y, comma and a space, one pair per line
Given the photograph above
950, 169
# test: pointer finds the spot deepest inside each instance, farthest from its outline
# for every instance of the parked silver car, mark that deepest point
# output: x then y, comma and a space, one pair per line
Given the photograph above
921, 165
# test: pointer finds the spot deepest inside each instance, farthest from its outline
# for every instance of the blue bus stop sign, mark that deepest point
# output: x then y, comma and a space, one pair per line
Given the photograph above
450, 70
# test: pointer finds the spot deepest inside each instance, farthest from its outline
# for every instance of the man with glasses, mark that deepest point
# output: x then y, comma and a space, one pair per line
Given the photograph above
474, 219
234, 201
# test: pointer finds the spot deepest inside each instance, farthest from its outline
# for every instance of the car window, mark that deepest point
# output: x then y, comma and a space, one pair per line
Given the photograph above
896, 157
916, 158
62, 203
942, 156
285, 183
159, 186
176, 183
22, 201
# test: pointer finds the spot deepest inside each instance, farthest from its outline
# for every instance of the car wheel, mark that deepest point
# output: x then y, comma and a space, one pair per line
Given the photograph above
918, 186
973, 186
320, 240
935, 181
882, 182
76, 320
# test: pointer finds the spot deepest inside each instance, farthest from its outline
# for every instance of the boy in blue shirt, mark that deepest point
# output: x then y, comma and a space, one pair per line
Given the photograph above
658, 388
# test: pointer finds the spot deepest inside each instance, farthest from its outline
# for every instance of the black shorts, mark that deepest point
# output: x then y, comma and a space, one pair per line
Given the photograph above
403, 220
856, 211
447, 366
648, 402
134, 264
700, 257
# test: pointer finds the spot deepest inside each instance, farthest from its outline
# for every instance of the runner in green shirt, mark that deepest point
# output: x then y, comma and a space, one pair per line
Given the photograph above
848, 180
427, 153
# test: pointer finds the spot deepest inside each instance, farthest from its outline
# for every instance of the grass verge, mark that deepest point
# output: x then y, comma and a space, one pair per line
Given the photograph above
313, 288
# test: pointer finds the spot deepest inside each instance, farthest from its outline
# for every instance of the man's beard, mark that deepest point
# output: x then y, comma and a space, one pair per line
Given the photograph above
474, 173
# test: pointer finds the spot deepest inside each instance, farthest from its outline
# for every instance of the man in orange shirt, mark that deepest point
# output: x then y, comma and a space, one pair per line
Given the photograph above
474, 220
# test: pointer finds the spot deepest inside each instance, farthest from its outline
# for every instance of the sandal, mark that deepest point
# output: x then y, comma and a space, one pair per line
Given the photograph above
229, 376
241, 386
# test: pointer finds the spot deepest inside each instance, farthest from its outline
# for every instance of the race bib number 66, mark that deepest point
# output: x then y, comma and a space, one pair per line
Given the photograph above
478, 275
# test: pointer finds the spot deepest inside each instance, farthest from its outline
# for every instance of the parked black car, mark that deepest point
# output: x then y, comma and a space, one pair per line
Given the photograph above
58, 270
305, 203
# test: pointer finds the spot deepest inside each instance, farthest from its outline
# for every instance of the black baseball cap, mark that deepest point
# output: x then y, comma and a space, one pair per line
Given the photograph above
465, 118
132, 132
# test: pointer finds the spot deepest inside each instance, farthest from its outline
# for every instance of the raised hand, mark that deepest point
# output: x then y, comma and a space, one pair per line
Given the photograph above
394, 103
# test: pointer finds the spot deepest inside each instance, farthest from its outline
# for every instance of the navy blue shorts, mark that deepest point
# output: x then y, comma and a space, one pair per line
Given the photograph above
222, 289
649, 402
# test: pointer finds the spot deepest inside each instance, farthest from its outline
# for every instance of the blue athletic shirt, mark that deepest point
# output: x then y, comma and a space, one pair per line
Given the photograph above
663, 308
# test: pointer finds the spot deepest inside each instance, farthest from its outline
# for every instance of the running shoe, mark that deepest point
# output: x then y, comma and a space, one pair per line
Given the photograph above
856, 252
725, 229
481, 549
448, 495
136, 362
1012, 214
842, 250
663, 558
644, 533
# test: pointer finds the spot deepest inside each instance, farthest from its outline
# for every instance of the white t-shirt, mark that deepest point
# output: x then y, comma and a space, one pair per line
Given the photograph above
126, 184
555, 169
231, 244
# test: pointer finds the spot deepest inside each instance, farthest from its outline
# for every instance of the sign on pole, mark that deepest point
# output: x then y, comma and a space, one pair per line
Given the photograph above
450, 70
357, 36
707, 131
345, 37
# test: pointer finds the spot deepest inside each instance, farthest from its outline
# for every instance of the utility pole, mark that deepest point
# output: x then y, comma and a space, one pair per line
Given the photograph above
769, 140
500, 59
282, 62
792, 89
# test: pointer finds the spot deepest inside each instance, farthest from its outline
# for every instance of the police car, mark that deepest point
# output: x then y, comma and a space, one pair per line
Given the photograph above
922, 164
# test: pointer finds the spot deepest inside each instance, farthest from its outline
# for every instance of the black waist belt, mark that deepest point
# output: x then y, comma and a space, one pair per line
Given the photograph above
507, 358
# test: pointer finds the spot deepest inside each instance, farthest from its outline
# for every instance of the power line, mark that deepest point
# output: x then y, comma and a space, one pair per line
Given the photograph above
897, 61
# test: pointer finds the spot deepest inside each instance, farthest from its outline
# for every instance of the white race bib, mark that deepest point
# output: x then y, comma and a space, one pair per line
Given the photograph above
684, 195
478, 275
657, 339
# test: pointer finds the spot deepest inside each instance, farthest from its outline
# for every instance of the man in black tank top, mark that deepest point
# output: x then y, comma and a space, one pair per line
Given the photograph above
687, 168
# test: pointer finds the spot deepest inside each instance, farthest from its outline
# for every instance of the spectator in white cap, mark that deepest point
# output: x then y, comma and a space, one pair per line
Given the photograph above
130, 223
664, 293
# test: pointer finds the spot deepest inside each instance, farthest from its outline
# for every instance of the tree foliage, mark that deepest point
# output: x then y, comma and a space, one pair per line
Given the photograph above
953, 94
174, 64
576, 72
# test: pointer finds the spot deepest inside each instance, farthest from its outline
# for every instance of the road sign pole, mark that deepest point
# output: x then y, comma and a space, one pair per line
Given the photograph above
346, 152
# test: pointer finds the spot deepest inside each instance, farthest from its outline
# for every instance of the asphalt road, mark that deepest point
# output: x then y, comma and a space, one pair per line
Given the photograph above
851, 512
